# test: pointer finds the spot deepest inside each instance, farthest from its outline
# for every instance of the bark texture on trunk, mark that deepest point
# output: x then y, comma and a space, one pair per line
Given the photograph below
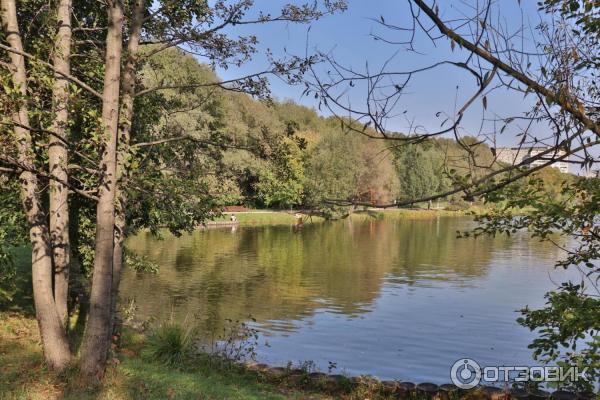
125, 121
97, 337
54, 339
57, 160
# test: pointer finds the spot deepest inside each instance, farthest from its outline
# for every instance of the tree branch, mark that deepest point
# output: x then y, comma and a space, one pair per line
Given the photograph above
20, 168
69, 77
564, 100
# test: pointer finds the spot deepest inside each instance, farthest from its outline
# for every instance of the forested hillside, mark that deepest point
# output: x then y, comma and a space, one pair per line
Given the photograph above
272, 153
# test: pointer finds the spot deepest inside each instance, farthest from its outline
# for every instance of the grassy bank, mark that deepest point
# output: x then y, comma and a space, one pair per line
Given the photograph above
407, 213
129, 376
133, 373
265, 217
269, 217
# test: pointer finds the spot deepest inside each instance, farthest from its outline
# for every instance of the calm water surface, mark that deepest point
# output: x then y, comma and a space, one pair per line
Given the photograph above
395, 299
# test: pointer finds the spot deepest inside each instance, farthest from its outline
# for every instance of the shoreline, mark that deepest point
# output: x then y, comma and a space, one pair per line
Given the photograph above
131, 374
275, 217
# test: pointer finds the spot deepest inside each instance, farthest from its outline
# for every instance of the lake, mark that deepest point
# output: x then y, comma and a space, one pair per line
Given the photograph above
397, 299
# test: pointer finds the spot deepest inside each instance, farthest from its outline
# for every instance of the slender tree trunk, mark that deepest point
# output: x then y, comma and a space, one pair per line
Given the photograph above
96, 341
125, 121
57, 160
54, 339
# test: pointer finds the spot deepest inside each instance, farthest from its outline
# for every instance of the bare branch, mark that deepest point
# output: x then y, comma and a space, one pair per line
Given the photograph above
564, 100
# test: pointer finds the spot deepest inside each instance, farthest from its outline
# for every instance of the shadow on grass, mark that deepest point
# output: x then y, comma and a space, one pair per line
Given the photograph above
18, 364
137, 379
22, 370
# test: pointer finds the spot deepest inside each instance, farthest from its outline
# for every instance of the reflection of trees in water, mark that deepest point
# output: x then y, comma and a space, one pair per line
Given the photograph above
430, 251
276, 273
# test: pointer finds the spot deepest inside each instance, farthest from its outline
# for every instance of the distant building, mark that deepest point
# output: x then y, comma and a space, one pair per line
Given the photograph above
518, 155
590, 173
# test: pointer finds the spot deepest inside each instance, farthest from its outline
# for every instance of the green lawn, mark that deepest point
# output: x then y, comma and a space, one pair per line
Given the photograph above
267, 217
260, 217
129, 376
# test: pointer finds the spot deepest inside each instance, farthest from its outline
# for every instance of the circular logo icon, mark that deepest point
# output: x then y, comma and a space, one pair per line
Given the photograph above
465, 373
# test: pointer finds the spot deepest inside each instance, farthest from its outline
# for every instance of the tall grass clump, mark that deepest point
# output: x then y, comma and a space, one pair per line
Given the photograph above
171, 343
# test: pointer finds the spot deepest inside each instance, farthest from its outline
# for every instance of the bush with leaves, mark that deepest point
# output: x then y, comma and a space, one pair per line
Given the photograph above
13, 233
568, 326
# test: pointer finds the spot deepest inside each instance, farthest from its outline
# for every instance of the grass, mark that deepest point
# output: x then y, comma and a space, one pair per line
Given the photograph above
129, 375
171, 343
405, 213
268, 217
262, 217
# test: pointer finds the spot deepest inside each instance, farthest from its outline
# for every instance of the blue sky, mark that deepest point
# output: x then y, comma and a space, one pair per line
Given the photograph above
347, 37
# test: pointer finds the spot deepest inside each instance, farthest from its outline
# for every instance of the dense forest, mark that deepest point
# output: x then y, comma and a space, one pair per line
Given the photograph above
278, 154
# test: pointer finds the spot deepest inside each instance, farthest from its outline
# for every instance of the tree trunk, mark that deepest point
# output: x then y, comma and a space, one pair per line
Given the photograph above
57, 161
125, 120
97, 337
54, 339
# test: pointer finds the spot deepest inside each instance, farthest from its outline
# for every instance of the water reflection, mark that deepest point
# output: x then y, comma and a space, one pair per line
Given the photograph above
363, 294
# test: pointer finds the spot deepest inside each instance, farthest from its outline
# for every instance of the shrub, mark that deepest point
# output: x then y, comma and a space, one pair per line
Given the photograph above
171, 343
238, 342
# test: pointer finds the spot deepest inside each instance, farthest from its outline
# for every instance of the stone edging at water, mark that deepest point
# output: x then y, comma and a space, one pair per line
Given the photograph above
406, 390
